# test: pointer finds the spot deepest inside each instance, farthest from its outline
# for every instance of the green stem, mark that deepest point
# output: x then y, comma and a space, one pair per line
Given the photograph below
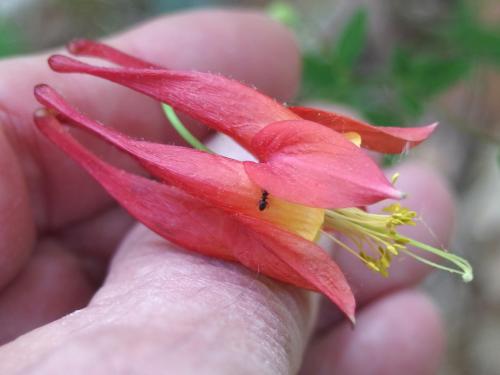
182, 130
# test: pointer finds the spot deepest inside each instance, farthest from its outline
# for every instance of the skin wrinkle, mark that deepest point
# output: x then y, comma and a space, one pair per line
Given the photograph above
142, 358
264, 304
241, 301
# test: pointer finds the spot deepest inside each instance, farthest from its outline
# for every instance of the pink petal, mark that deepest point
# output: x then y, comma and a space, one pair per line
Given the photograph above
307, 163
390, 140
85, 47
304, 257
197, 226
220, 103
165, 209
216, 179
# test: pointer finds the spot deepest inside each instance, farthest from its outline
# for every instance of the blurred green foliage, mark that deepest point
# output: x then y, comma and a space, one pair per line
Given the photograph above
10, 42
397, 91
284, 13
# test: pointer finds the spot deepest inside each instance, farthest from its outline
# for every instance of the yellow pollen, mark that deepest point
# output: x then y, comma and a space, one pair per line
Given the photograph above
374, 239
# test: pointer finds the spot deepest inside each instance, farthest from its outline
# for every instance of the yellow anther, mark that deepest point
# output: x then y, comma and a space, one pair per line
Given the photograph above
394, 178
374, 239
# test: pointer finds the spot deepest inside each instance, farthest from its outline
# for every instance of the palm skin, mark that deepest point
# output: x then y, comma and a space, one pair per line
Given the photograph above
162, 309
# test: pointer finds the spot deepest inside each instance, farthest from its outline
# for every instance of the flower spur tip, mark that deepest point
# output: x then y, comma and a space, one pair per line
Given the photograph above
41, 113
76, 45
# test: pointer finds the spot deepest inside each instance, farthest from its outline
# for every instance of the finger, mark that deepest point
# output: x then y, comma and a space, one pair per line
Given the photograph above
160, 305
106, 231
241, 44
50, 286
399, 334
17, 232
244, 45
429, 195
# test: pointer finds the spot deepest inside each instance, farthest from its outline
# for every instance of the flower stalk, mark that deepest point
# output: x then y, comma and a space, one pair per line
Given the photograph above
182, 130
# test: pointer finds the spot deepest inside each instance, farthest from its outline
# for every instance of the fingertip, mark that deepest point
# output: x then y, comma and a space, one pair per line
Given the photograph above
430, 195
267, 54
401, 334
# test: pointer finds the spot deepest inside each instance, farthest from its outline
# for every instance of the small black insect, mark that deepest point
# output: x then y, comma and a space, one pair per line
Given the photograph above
263, 201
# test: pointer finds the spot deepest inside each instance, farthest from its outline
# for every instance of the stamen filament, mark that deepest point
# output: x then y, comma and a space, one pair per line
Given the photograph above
464, 265
353, 252
376, 233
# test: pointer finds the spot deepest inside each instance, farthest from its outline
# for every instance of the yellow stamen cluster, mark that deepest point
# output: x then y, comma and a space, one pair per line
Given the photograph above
374, 239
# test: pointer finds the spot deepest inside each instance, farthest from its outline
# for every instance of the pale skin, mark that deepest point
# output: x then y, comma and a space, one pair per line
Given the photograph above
162, 309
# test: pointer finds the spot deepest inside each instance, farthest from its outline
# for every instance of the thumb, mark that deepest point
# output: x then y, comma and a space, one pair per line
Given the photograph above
163, 309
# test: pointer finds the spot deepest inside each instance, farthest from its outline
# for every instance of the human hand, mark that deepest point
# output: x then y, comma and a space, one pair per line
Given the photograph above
162, 309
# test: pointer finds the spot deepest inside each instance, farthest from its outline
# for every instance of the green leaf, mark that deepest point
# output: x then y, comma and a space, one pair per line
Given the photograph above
471, 37
283, 12
318, 79
352, 40
9, 39
419, 77
482, 44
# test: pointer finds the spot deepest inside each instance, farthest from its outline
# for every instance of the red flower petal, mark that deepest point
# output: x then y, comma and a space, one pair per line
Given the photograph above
195, 225
390, 140
86, 47
310, 164
218, 102
165, 209
217, 179
306, 258
221, 181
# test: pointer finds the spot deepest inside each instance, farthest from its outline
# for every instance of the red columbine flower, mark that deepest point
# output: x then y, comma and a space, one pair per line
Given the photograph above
266, 214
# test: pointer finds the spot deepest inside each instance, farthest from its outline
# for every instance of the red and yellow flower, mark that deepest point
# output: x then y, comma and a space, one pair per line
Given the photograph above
310, 176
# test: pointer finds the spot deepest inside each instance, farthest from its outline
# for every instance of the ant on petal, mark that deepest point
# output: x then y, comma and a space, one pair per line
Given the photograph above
263, 201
